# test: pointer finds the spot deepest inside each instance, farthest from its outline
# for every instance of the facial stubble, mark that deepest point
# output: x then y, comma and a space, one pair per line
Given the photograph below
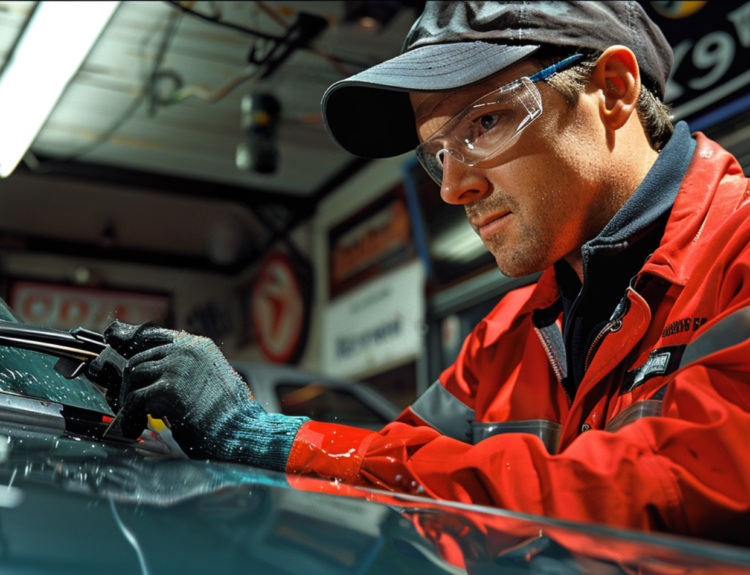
527, 249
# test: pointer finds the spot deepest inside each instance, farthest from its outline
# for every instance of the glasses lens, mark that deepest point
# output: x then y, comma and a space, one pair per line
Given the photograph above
432, 166
433, 163
487, 126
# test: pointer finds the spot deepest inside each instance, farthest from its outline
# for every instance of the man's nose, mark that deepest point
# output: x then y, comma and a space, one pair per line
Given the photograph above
462, 184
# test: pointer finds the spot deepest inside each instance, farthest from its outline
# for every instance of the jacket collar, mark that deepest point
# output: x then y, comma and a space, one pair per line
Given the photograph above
714, 186
712, 189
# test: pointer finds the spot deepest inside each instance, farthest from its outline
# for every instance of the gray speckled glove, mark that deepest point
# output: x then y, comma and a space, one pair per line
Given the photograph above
185, 378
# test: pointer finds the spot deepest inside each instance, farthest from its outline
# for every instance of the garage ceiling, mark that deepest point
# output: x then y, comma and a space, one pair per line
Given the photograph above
192, 139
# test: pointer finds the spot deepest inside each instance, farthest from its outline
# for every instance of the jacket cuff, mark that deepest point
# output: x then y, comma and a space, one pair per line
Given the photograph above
329, 450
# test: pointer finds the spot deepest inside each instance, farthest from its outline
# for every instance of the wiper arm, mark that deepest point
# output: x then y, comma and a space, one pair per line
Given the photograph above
75, 348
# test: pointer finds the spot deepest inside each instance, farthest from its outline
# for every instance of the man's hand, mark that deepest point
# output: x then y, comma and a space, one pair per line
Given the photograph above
186, 380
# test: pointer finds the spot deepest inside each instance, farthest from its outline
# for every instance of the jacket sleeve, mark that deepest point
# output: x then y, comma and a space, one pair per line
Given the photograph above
337, 451
687, 471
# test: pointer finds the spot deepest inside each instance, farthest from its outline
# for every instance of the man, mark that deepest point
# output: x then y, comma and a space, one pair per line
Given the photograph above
615, 390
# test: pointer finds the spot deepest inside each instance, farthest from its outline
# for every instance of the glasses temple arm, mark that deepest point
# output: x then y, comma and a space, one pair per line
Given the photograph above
555, 68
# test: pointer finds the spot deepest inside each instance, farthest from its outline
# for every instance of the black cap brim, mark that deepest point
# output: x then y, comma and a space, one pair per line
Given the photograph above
369, 114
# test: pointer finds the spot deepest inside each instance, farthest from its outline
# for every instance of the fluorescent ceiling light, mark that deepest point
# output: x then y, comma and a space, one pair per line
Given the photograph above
54, 44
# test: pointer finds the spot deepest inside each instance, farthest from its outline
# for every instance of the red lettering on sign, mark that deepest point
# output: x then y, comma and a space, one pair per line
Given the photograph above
36, 308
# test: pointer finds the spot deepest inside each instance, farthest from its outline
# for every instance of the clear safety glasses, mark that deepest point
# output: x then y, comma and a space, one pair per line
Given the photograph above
487, 126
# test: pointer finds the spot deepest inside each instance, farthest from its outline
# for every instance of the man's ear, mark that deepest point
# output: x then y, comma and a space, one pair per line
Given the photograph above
618, 79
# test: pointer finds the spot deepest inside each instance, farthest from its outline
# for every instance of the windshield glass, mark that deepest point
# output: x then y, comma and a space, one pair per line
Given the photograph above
32, 374
72, 496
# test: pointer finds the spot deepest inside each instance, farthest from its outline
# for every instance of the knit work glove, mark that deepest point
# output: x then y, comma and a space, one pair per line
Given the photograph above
185, 380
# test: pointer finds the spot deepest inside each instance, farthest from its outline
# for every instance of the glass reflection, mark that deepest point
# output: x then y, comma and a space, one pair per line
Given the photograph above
32, 374
192, 516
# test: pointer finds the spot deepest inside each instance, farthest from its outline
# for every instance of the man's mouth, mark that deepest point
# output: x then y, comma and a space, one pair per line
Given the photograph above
490, 225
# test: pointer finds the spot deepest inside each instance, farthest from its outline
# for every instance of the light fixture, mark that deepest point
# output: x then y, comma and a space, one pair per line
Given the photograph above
52, 47
261, 115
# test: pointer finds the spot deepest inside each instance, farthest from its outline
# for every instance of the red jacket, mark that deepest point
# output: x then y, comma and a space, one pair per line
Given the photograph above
655, 437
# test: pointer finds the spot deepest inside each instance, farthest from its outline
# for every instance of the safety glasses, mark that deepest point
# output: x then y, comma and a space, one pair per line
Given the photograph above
489, 125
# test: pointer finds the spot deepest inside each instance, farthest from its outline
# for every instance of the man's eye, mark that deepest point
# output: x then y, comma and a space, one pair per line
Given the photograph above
488, 121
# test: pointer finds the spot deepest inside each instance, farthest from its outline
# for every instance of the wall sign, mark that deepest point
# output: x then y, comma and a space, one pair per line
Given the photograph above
278, 310
375, 324
373, 240
67, 307
711, 44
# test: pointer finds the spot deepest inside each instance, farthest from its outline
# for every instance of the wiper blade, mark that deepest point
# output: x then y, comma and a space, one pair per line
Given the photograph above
75, 348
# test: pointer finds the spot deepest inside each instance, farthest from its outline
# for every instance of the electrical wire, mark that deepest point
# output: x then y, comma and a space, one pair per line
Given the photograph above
272, 14
258, 33
169, 33
343, 70
213, 96
230, 25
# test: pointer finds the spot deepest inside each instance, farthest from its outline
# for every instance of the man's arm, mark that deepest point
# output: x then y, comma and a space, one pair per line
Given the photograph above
685, 472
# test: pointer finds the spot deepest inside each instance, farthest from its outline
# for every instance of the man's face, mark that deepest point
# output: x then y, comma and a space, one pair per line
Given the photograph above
541, 198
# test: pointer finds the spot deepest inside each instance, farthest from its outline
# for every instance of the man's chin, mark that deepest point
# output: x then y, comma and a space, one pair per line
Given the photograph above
517, 266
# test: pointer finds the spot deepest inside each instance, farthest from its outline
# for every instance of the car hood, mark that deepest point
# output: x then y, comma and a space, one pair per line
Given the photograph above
71, 505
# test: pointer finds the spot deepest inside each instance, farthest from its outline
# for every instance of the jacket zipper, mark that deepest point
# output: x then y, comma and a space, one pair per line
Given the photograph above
611, 327
553, 363
615, 322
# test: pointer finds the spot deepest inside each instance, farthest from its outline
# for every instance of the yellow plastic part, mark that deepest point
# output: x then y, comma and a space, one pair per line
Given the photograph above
156, 425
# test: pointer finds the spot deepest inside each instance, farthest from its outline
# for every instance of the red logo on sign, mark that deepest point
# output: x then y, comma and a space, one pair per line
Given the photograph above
278, 310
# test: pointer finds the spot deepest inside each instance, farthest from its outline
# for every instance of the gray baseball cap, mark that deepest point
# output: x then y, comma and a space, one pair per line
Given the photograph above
455, 44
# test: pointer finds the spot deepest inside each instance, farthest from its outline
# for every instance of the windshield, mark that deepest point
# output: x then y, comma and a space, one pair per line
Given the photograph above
91, 508
32, 374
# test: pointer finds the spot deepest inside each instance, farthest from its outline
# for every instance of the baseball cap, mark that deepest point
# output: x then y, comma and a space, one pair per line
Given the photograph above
456, 44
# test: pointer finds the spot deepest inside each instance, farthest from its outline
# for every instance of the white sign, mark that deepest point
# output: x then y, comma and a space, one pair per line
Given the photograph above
375, 324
